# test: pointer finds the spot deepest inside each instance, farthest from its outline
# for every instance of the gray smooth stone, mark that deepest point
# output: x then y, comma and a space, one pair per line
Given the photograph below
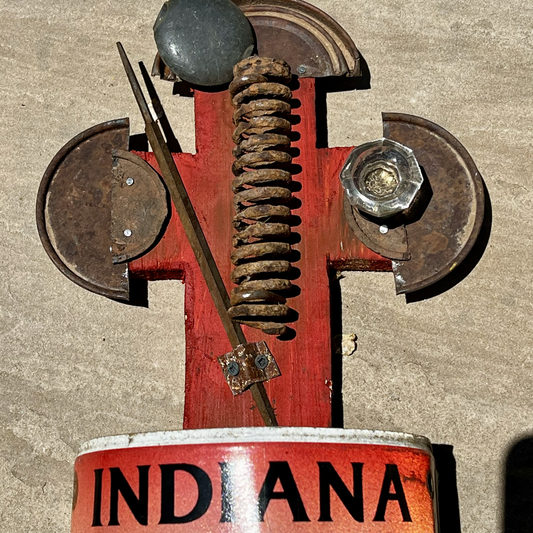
202, 40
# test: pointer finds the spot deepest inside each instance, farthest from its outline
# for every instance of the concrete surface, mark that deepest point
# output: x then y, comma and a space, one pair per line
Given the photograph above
455, 368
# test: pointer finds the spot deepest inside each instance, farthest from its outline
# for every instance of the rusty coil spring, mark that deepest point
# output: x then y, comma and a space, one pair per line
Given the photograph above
261, 96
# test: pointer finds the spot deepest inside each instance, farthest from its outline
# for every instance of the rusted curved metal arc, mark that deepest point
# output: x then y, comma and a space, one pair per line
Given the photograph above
442, 238
101, 277
328, 33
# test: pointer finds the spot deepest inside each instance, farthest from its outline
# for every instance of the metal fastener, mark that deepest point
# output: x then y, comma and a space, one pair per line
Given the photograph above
233, 369
261, 362
248, 364
302, 69
127, 232
384, 229
129, 181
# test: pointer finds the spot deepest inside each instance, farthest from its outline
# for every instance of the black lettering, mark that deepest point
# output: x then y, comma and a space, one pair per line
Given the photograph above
329, 477
281, 471
137, 505
205, 493
392, 476
97, 507
228, 512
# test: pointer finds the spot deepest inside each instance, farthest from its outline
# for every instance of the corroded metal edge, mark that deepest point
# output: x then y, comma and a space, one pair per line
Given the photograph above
324, 28
377, 243
116, 294
328, 34
475, 176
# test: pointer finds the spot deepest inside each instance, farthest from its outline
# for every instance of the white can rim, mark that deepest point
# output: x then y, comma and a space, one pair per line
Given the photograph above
257, 435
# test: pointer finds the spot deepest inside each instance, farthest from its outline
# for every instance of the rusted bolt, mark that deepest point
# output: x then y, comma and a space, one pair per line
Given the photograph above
233, 369
261, 362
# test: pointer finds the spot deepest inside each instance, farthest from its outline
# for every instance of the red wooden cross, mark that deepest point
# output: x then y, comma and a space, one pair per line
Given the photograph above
302, 396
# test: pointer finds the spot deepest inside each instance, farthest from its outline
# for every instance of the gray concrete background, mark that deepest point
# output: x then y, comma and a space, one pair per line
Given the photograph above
456, 368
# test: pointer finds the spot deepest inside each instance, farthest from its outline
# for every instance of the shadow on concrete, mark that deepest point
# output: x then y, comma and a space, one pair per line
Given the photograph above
518, 490
335, 85
138, 293
138, 143
468, 264
337, 407
448, 499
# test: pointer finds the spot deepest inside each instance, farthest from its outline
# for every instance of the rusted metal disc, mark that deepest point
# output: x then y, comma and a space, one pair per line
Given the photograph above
304, 36
74, 210
391, 243
140, 206
450, 224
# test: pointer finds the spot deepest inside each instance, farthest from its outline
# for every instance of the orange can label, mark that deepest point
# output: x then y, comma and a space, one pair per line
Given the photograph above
325, 480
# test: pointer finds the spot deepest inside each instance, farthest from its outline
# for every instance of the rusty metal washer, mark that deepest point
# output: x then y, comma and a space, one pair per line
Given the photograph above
248, 364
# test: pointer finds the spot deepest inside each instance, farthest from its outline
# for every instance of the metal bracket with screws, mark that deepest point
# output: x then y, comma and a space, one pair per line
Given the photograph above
139, 206
248, 364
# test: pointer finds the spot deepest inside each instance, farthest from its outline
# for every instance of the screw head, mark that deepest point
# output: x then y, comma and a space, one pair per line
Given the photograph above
129, 181
127, 233
302, 69
261, 362
384, 230
233, 369
429, 483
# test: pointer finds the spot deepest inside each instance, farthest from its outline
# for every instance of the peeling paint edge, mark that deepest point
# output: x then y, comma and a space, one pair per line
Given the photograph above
257, 435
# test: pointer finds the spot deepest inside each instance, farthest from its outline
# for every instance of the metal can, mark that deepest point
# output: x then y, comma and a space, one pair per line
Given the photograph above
256, 480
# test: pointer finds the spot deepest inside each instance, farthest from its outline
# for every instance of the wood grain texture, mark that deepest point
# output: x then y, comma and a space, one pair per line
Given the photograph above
302, 395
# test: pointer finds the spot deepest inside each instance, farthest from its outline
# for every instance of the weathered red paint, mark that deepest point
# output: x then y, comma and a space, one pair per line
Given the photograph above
302, 396
263, 485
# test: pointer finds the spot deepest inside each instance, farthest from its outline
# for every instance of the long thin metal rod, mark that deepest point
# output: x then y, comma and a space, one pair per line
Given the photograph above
194, 232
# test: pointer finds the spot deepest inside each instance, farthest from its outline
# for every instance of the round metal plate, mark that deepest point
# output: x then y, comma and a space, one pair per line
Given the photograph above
427, 249
451, 222
74, 210
140, 206
391, 244
304, 36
